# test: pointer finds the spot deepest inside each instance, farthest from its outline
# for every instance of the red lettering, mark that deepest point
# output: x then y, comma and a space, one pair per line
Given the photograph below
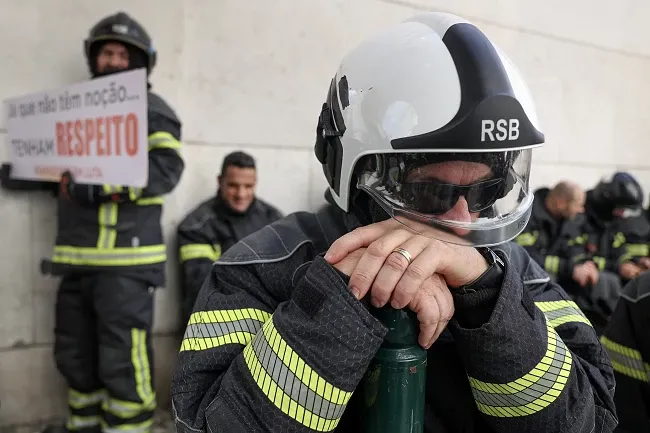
111, 135
99, 133
131, 134
90, 134
117, 121
79, 143
60, 139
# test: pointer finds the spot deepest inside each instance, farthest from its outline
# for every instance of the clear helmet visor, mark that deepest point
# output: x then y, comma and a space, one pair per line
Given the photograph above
476, 199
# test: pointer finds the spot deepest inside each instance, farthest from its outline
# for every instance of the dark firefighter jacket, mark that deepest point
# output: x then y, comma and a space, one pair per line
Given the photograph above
118, 229
628, 342
276, 343
617, 240
210, 230
556, 245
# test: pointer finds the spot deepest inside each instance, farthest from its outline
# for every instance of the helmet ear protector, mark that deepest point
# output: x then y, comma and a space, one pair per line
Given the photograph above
330, 129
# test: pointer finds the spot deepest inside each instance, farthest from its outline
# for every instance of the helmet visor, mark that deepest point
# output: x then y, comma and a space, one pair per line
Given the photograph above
477, 199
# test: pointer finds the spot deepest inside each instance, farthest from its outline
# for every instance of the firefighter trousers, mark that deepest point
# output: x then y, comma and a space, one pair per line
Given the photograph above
103, 349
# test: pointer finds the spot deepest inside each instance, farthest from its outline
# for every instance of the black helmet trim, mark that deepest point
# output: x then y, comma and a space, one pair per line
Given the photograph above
330, 128
118, 38
489, 117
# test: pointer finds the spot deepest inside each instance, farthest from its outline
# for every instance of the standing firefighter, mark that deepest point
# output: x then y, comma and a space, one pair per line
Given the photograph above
111, 255
425, 139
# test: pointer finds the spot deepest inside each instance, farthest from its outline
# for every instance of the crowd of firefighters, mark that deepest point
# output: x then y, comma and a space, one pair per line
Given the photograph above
595, 244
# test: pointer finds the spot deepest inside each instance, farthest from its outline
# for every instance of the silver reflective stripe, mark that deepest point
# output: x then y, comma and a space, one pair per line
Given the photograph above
147, 255
291, 385
127, 409
561, 312
79, 400
532, 392
80, 422
212, 330
636, 365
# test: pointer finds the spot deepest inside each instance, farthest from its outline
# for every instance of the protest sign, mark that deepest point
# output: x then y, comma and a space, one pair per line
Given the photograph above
97, 129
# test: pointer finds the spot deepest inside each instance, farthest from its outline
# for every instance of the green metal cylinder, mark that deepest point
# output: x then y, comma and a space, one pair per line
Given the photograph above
393, 387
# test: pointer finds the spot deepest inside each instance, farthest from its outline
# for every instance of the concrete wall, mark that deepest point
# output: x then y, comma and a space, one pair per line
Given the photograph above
252, 75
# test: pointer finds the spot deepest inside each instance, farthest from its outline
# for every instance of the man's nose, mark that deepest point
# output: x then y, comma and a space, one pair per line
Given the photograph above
459, 213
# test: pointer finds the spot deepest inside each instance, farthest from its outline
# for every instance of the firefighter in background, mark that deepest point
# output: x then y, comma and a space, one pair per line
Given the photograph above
111, 254
219, 223
281, 336
627, 340
555, 238
618, 241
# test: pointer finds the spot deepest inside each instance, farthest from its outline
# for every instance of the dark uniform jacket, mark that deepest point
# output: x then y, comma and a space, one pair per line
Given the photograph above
556, 245
276, 343
627, 339
210, 230
618, 240
118, 229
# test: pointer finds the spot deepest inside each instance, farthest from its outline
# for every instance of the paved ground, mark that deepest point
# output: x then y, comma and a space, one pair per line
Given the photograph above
163, 424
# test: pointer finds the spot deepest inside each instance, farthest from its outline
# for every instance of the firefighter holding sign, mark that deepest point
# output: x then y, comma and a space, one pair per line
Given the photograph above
111, 255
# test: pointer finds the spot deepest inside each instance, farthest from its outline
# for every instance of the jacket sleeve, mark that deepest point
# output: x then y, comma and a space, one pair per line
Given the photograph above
196, 254
244, 364
561, 267
6, 182
535, 364
627, 342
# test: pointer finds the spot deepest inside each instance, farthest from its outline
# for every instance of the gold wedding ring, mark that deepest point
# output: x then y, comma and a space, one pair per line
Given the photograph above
404, 254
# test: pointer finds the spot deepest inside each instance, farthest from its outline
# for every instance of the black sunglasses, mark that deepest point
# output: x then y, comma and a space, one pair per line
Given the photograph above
436, 198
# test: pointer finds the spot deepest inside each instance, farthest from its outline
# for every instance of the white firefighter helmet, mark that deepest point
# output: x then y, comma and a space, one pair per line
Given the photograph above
421, 94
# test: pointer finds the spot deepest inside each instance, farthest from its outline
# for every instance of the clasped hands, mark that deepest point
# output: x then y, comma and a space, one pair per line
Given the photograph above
395, 265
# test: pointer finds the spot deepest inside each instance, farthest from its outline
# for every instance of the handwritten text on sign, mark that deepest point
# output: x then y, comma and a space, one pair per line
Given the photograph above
96, 129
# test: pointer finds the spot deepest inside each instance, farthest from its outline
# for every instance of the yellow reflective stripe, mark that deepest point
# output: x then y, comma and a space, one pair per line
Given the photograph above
552, 264
532, 392
600, 262
291, 384
143, 427
209, 329
638, 250
627, 361
579, 258
619, 239
150, 201
107, 220
579, 240
200, 251
141, 367
119, 256
527, 239
163, 140
222, 316
560, 312
76, 422
81, 400
128, 409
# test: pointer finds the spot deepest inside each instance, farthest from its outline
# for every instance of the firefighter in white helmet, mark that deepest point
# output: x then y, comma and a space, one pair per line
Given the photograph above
425, 139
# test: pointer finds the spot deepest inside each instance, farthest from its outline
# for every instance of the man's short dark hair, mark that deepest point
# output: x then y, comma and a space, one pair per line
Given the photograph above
237, 159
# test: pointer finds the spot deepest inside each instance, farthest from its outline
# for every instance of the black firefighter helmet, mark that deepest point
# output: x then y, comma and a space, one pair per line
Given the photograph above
120, 27
622, 191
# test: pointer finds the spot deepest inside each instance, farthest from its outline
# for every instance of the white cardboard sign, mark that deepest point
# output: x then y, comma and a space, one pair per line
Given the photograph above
96, 129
